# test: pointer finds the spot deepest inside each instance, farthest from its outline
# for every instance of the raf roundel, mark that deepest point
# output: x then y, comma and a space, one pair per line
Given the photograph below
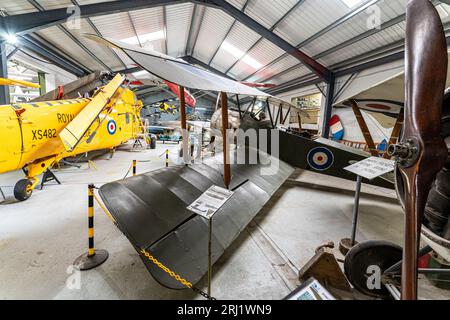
112, 128
320, 159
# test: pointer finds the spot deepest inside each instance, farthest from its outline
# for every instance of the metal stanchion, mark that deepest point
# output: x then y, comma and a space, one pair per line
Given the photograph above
356, 210
347, 243
210, 256
134, 167
167, 158
93, 258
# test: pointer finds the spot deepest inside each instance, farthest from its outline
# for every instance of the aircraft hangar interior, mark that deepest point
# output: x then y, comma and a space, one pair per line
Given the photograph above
224, 150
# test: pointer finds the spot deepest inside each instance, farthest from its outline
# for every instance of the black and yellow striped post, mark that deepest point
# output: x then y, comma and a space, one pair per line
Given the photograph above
167, 158
93, 258
134, 168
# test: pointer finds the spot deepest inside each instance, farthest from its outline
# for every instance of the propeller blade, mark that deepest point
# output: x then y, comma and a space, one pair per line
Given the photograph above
422, 153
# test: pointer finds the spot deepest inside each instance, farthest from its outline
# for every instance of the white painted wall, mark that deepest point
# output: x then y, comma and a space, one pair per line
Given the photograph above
54, 76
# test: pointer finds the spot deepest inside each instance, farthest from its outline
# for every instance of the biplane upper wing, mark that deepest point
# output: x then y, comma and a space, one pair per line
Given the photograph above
184, 74
178, 71
72, 134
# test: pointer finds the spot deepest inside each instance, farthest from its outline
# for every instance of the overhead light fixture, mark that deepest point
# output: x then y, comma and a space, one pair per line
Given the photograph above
11, 39
140, 73
351, 3
239, 54
144, 38
252, 62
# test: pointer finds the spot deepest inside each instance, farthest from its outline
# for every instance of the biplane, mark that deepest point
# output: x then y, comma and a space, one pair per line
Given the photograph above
158, 200
38, 134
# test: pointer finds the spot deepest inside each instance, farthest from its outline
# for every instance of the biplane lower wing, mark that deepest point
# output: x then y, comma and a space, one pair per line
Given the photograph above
150, 210
324, 156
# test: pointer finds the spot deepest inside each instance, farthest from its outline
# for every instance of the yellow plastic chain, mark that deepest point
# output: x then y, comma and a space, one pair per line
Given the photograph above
167, 270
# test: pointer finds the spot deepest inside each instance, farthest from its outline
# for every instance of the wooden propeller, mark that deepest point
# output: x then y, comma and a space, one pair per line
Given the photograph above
422, 153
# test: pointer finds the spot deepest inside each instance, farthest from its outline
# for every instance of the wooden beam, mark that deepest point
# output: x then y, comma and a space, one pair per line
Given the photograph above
287, 115
184, 125
299, 121
226, 151
364, 128
396, 131
270, 113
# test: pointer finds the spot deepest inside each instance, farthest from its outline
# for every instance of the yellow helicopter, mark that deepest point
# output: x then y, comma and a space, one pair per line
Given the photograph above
35, 136
167, 108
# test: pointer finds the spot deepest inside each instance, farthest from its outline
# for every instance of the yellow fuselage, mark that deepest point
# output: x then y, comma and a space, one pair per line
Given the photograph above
29, 132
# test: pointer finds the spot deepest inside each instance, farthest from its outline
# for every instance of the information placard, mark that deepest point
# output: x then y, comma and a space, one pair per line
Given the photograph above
372, 168
210, 202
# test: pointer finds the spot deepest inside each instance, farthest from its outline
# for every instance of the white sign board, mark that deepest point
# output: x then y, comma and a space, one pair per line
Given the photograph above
210, 202
311, 290
372, 168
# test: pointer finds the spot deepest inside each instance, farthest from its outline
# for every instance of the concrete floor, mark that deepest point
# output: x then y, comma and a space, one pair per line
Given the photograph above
40, 238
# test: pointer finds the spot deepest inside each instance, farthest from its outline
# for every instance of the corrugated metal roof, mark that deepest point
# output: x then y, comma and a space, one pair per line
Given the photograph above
380, 39
294, 74
61, 41
285, 63
311, 17
241, 38
215, 26
17, 7
103, 54
264, 52
178, 23
268, 12
308, 19
355, 26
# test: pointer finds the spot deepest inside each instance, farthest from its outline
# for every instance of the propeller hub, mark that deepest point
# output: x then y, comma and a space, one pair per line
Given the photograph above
405, 153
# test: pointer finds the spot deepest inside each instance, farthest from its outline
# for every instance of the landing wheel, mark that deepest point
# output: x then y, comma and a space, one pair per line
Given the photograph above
22, 189
365, 259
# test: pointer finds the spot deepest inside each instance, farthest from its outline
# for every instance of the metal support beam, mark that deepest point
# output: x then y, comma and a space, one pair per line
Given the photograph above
129, 70
330, 27
295, 84
36, 4
28, 22
328, 108
12, 53
288, 13
344, 86
4, 90
317, 68
130, 18
166, 46
194, 30
47, 53
94, 27
227, 34
42, 83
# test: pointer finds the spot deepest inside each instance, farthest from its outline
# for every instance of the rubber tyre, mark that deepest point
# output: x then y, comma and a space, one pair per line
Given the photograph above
383, 254
20, 190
